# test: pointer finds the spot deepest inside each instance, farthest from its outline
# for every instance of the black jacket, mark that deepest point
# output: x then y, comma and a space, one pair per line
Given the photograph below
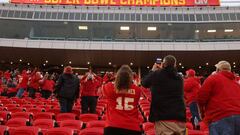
68, 86
166, 87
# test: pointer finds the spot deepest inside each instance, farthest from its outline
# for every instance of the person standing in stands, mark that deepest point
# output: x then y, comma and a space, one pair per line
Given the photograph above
23, 83
220, 98
167, 110
122, 101
191, 88
90, 84
47, 85
34, 84
67, 89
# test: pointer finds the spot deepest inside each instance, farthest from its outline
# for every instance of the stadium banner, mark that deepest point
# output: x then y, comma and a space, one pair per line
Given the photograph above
123, 2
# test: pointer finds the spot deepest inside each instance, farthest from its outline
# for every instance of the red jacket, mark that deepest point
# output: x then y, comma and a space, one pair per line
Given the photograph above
191, 87
23, 81
122, 110
220, 96
34, 83
48, 85
90, 87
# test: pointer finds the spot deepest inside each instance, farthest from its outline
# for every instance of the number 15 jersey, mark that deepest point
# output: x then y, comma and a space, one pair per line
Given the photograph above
122, 111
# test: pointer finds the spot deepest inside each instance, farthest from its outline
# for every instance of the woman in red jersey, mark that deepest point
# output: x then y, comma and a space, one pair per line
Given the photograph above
122, 111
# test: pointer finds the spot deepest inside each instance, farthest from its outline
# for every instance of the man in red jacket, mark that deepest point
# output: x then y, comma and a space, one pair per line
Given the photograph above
34, 84
90, 84
220, 98
191, 87
47, 86
23, 83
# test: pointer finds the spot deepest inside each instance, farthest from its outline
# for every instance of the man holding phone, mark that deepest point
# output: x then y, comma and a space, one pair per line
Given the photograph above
168, 110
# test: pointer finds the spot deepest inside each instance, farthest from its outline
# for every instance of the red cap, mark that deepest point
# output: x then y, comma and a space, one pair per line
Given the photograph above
190, 72
68, 70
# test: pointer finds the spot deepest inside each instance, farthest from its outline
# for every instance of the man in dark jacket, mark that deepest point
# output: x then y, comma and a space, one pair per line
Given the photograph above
67, 89
167, 107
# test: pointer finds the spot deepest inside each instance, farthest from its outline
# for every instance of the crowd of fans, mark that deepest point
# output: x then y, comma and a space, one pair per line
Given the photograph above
216, 100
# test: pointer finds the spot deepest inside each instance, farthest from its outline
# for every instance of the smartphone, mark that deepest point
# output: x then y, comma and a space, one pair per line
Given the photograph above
158, 61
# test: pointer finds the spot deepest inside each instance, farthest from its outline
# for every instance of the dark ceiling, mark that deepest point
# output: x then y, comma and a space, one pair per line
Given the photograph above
102, 58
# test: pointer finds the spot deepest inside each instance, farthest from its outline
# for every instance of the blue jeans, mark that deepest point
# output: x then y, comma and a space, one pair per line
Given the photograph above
226, 126
194, 110
20, 92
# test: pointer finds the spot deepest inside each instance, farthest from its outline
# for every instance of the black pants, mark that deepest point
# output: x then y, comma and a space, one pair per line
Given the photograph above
66, 105
46, 94
31, 92
89, 104
120, 131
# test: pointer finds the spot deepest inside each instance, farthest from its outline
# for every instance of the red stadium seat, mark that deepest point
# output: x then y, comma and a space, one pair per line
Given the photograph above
44, 124
5, 115
25, 130
35, 110
103, 117
96, 123
3, 130
88, 117
92, 131
73, 124
66, 116
60, 131
26, 115
189, 125
16, 122
16, 109
54, 110
196, 132
147, 126
11, 105
43, 115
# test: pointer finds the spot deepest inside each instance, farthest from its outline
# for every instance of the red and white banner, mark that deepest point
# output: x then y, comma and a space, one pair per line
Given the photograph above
123, 2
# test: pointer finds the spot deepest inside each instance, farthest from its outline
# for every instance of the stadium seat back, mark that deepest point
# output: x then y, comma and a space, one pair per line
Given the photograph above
88, 117
92, 131
66, 116
60, 131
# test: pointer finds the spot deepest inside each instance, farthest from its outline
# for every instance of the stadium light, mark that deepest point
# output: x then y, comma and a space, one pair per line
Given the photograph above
131, 63
62, 65
182, 67
109, 63
20, 60
180, 64
234, 66
207, 63
148, 67
228, 30
199, 67
88, 63
211, 31
28, 64
151, 28
46, 61
44, 64
197, 31
234, 63
124, 28
11, 62
83, 27
70, 62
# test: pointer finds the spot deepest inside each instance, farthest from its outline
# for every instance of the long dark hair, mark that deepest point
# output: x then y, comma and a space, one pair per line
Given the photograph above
124, 78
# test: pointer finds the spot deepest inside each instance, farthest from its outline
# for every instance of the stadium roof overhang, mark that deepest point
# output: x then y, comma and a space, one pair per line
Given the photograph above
102, 58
